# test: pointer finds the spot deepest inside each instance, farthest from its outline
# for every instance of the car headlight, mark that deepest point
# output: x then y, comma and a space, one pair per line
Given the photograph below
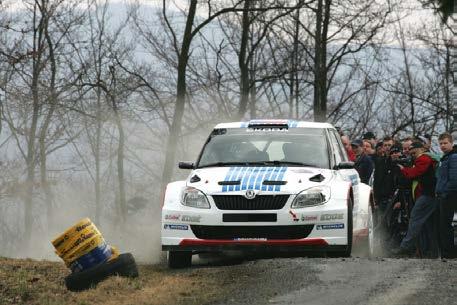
311, 197
192, 197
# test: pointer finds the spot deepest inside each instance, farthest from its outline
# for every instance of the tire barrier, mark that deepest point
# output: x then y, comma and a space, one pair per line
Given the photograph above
90, 259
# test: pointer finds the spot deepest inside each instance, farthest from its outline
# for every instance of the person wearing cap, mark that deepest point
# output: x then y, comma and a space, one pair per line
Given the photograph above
421, 223
363, 163
446, 191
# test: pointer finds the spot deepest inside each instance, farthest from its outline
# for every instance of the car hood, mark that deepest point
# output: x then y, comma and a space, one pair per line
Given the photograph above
288, 180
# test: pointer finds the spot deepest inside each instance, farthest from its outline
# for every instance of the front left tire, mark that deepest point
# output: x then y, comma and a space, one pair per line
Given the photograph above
179, 259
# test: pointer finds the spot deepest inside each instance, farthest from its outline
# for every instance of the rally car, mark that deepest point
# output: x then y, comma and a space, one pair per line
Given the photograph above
267, 185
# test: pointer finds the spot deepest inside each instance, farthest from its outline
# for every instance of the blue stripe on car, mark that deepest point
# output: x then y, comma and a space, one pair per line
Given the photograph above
281, 176
252, 178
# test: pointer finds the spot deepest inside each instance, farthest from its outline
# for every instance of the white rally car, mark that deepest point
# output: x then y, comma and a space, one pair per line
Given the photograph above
267, 185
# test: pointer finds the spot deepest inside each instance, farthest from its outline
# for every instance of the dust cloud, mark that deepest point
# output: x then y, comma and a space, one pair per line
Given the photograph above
74, 199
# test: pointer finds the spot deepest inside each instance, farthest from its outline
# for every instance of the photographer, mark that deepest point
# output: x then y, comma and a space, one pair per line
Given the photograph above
398, 211
421, 223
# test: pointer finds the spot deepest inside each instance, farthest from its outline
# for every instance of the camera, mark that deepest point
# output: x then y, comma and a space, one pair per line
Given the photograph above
403, 160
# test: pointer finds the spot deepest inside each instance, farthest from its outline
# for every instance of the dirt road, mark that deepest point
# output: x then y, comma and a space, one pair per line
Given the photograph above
322, 281
261, 281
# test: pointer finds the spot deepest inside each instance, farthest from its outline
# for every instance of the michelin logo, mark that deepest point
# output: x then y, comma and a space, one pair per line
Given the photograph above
175, 227
336, 226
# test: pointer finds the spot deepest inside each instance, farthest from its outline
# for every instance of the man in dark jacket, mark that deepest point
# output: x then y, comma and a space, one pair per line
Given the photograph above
446, 191
421, 223
383, 184
363, 163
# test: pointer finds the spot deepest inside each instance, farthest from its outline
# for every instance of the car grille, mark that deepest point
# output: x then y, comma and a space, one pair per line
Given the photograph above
268, 232
260, 202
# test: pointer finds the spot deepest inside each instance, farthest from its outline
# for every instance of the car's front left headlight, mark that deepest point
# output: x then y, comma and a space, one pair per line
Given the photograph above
192, 197
316, 195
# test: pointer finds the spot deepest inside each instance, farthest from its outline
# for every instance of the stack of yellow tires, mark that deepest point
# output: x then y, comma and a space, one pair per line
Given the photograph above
90, 258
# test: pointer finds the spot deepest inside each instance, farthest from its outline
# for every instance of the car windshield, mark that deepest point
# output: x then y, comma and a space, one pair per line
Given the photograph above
281, 147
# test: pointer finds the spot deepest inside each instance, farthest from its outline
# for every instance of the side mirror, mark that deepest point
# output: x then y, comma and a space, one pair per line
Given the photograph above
186, 165
345, 165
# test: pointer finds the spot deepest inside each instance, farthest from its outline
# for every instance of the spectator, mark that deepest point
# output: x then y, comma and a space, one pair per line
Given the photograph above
347, 145
387, 143
383, 187
368, 148
446, 190
370, 136
363, 163
421, 224
378, 149
406, 143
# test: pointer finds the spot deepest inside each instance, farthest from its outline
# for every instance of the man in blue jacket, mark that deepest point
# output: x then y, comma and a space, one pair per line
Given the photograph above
446, 190
363, 163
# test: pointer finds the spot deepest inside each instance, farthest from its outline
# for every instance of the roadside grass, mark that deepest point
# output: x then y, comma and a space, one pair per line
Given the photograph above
31, 282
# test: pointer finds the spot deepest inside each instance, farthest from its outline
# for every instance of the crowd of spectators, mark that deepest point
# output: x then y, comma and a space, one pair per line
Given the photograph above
414, 189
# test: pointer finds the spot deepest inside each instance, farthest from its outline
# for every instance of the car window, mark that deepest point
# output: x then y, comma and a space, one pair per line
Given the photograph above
300, 145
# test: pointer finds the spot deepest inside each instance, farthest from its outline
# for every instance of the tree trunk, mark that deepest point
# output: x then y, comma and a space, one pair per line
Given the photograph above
31, 136
320, 61
98, 139
454, 66
181, 89
44, 129
120, 150
252, 92
243, 65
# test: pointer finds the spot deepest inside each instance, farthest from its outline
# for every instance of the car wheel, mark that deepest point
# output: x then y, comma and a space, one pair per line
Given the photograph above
124, 265
179, 259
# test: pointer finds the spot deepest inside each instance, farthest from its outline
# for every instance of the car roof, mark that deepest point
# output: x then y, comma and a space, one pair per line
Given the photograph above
273, 123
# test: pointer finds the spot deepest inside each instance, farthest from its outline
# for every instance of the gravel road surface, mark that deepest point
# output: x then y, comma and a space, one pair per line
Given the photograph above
328, 281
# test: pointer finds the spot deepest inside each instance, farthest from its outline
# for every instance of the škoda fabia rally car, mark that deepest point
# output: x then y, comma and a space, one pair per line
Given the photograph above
267, 185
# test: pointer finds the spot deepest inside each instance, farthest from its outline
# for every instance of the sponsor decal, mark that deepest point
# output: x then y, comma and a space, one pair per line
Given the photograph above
335, 226
83, 226
308, 218
294, 216
172, 217
354, 179
78, 241
251, 178
327, 217
191, 218
175, 227
264, 129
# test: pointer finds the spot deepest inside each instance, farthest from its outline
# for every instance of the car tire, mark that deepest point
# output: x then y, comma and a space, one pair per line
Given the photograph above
179, 259
124, 265
347, 252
